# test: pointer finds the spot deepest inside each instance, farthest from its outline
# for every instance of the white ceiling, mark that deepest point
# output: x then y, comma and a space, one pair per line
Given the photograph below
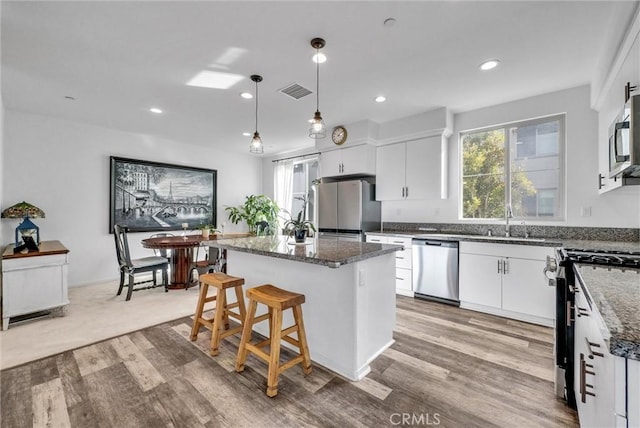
117, 59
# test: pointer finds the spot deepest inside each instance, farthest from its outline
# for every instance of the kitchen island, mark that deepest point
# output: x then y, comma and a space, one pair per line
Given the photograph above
349, 313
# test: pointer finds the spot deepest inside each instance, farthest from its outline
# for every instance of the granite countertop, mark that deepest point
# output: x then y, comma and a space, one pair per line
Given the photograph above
546, 242
321, 251
616, 295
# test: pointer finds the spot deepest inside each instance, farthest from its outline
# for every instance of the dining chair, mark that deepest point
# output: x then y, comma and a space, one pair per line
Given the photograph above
131, 267
162, 252
211, 262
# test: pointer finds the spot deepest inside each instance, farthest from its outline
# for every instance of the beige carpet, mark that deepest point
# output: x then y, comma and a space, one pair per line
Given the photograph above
94, 313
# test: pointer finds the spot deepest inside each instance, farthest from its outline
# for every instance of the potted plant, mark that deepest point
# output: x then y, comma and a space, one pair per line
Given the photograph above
260, 213
207, 229
299, 227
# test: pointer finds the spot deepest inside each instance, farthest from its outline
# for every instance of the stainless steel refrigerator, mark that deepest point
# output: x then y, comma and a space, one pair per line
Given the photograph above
347, 209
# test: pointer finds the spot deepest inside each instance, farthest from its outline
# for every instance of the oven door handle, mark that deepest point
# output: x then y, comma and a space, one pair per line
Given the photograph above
569, 319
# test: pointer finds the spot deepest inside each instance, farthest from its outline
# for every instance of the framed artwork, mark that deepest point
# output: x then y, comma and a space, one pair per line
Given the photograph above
152, 196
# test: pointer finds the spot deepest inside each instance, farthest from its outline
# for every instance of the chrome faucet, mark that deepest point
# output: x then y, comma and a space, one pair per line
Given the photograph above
526, 232
508, 215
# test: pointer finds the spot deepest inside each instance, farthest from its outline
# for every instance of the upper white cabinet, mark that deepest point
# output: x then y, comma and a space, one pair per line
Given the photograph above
506, 280
411, 170
610, 100
357, 160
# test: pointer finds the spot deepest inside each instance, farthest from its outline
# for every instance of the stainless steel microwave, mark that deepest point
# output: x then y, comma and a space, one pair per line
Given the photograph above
624, 141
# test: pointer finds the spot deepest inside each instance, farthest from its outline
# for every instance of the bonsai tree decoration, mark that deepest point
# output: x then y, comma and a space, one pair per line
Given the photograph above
299, 226
260, 213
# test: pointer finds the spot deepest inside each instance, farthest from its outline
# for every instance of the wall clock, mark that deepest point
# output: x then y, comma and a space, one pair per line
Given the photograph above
339, 135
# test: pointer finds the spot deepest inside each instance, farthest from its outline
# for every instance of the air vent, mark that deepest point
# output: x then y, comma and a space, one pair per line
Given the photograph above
295, 91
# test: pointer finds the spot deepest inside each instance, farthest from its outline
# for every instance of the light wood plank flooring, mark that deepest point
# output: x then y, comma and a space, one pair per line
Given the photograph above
448, 367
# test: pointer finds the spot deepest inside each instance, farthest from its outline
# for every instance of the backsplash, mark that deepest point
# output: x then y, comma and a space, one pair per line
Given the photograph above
535, 231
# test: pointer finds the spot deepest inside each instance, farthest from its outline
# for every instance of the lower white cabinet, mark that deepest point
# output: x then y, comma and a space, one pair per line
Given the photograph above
506, 280
404, 279
593, 370
633, 392
34, 282
607, 386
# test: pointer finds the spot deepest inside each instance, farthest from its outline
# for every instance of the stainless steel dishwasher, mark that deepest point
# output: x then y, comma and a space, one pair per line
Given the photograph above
435, 270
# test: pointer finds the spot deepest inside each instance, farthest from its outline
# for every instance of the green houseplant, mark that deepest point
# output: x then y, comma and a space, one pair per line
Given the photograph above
207, 229
299, 227
260, 213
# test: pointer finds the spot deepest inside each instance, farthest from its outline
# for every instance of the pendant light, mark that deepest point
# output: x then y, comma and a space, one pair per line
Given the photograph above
317, 129
256, 141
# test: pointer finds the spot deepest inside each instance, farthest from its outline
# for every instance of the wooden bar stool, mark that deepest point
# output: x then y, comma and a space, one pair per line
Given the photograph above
219, 324
277, 301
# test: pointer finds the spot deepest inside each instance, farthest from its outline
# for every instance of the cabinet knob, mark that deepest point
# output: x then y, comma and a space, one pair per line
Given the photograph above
593, 353
582, 312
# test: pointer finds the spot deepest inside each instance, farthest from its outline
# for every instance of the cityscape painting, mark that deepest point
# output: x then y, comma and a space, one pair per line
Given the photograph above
152, 196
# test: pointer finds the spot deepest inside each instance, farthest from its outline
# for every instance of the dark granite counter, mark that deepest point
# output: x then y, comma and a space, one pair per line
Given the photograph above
616, 295
625, 246
326, 251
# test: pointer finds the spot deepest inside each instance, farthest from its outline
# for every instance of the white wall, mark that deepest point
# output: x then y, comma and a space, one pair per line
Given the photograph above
619, 208
63, 168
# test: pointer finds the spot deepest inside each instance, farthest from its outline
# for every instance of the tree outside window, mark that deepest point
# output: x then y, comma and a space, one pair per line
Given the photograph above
304, 173
532, 182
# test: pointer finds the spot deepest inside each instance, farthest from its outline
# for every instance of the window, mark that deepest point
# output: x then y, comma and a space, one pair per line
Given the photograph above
521, 164
304, 173
293, 179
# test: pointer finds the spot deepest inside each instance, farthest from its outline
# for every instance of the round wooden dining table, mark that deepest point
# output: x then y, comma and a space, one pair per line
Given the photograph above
182, 254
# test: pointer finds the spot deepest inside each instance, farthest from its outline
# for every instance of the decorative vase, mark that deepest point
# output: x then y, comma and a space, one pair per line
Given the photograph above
300, 236
205, 233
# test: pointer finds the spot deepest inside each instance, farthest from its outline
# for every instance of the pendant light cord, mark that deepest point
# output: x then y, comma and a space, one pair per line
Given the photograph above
317, 79
256, 106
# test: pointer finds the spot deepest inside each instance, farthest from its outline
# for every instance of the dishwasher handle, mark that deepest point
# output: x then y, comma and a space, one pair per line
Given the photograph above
433, 243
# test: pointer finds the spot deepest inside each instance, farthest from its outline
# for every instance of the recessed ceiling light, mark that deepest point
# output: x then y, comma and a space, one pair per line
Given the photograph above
319, 58
489, 65
246, 134
381, 99
246, 95
155, 110
214, 80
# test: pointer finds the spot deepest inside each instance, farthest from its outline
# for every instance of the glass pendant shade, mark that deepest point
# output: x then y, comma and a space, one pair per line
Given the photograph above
317, 129
256, 144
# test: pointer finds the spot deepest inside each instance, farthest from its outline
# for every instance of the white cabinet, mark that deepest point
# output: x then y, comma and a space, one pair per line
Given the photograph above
506, 280
633, 392
480, 279
34, 282
404, 279
411, 170
358, 160
625, 68
594, 379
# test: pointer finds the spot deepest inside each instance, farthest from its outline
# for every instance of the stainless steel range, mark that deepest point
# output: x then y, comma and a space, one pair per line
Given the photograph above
563, 278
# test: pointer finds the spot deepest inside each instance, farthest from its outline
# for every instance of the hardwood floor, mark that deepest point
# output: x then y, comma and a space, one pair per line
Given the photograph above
448, 367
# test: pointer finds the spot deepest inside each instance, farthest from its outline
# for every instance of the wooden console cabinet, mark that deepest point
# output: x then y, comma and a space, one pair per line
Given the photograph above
34, 281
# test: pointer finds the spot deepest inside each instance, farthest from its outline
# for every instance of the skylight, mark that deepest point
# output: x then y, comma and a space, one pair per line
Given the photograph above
214, 80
